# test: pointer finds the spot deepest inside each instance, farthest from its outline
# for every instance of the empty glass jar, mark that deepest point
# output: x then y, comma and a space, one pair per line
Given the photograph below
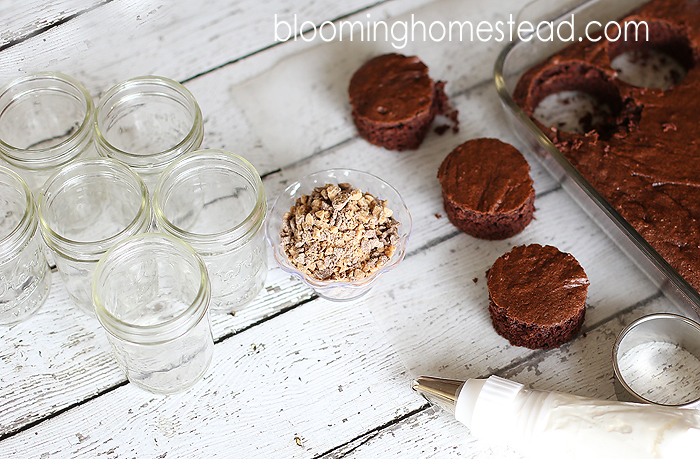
214, 200
147, 123
25, 279
46, 121
151, 295
85, 209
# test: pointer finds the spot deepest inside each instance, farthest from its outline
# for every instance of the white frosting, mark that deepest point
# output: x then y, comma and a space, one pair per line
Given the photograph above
554, 425
584, 428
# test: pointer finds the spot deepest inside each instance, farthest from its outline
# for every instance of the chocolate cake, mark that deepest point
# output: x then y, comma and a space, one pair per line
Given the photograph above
537, 296
644, 156
486, 189
394, 101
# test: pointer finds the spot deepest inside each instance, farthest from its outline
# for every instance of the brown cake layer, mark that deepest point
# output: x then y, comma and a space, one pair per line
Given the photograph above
645, 157
537, 296
394, 101
486, 189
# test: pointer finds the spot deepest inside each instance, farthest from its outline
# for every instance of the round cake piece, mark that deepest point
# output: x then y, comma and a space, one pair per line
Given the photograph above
486, 189
394, 101
537, 296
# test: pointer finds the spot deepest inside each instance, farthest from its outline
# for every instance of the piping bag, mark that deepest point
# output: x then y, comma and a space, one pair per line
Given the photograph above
556, 425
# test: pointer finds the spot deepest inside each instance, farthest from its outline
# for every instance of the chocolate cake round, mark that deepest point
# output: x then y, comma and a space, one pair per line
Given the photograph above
486, 189
537, 296
394, 101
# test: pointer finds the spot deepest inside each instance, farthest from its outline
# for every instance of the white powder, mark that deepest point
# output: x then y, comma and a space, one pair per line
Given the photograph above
662, 372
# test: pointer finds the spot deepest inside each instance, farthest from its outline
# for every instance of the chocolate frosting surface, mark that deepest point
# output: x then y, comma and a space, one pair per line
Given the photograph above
486, 175
538, 285
391, 88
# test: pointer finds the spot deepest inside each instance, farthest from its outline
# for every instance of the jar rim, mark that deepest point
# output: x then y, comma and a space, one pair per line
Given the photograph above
192, 139
91, 251
64, 150
26, 226
162, 332
174, 172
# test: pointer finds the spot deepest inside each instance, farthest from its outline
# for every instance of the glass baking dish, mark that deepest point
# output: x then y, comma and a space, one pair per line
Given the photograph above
511, 64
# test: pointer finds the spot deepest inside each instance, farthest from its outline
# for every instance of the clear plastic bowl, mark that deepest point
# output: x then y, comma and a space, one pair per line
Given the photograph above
368, 183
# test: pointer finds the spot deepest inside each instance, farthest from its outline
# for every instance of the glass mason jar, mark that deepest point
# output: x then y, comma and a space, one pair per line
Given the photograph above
151, 295
214, 200
85, 209
46, 122
148, 122
25, 279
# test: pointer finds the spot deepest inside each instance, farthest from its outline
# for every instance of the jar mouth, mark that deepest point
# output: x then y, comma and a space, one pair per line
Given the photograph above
193, 164
55, 154
128, 96
132, 249
93, 169
19, 236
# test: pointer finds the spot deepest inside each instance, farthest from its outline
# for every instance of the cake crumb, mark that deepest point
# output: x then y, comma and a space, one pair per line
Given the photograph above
440, 130
475, 280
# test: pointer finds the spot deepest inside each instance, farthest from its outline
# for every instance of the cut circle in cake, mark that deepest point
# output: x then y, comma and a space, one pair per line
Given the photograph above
575, 97
650, 53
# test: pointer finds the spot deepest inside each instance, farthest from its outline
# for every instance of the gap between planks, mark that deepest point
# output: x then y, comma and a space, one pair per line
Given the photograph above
372, 433
359, 441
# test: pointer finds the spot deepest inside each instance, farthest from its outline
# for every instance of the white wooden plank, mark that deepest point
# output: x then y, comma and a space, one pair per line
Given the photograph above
123, 39
85, 367
50, 357
61, 356
300, 106
582, 367
19, 20
414, 174
431, 433
322, 374
430, 306
416, 170
88, 362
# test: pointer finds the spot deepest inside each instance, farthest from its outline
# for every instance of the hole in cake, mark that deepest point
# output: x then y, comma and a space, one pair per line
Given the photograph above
571, 111
575, 97
660, 62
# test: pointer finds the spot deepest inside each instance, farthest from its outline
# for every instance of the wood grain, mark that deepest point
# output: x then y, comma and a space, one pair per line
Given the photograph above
178, 39
294, 375
323, 374
20, 20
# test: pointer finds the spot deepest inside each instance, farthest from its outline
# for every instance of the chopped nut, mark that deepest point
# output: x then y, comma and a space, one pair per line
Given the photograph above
339, 233
340, 200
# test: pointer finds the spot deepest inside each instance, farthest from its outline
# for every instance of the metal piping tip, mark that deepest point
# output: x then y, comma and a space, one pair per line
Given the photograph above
439, 391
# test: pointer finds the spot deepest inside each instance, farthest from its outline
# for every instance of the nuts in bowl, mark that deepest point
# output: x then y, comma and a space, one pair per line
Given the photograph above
338, 230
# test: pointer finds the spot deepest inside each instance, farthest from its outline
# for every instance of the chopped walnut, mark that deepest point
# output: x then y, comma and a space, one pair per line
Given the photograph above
339, 233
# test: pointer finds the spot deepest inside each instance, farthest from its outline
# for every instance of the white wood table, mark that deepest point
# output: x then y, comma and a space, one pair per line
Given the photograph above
294, 375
